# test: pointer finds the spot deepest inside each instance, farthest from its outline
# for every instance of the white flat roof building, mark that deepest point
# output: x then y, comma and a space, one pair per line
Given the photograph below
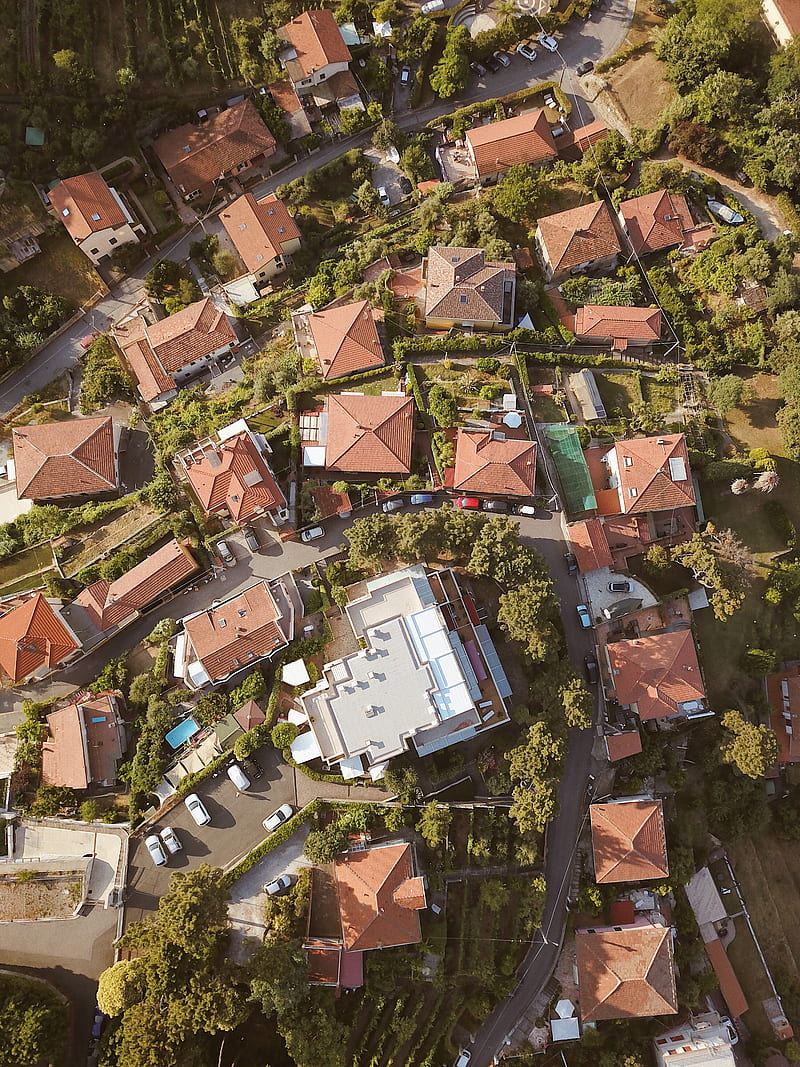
703, 1041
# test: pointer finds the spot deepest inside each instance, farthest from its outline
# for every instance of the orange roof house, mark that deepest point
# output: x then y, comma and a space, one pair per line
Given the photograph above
94, 214
590, 545
111, 603
34, 639
621, 326
369, 434
285, 96
263, 232
571, 240
380, 895
164, 354
656, 221
87, 740
488, 464
195, 157
657, 675
650, 473
496, 146
626, 973
230, 472
622, 745
463, 287
342, 339
315, 49
628, 841
783, 694
63, 459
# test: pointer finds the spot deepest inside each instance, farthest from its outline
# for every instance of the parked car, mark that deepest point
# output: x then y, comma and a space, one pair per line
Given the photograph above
495, 505
278, 885
550, 101
252, 768
477, 69
733, 1034
621, 585
86, 342
197, 809
584, 617
463, 1058
470, 502
527, 509
590, 663
251, 539
724, 213
170, 839
422, 498
585, 68
225, 554
405, 76
491, 64
527, 51
502, 59
405, 186
156, 850
237, 776
312, 534
432, 5
273, 821
393, 505
550, 43
571, 562
383, 196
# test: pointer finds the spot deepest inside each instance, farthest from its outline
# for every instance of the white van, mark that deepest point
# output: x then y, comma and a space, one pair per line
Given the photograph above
238, 777
432, 5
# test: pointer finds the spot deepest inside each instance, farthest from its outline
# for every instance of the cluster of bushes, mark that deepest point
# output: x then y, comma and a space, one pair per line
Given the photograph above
102, 376
27, 317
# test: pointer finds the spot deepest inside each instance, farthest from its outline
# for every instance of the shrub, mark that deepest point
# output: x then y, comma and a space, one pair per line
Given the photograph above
283, 734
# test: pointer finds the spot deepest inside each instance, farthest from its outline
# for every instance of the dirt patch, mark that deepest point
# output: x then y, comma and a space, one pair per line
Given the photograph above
640, 90
643, 23
110, 535
45, 897
142, 658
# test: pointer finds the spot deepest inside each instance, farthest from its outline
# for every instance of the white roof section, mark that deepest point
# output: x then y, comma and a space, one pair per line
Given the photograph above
297, 718
704, 898
305, 748
295, 673
565, 1029
565, 1009
235, 428
377, 771
351, 768
314, 456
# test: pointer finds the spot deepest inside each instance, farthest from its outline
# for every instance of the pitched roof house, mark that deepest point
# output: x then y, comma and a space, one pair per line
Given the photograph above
285, 96
315, 50
623, 745
628, 841
34, 639
590, 545
783, 694
94, 215
380, 896
496, 146
343, 339
656, 221
463, 288
620, 326
55, 460
627, 972
782, 18
87, 740
650, 473
110, 604
569, 241
195, 157
657, 675
165, 354
369, 434
486, 463
264, 234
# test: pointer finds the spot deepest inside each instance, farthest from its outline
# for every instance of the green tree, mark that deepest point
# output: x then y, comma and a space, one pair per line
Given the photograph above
520, 194
278, 973
433, 823
720, 562
729, 392
388, 135
752, 749
528, 614
451, 73
539, 757
417, 40
143, 686
369, 540
322, 846
53, 800
367, 198
35, 1022
442, 406
577, 703
533, 808
784, 293
283, 733
120, 987
162, 631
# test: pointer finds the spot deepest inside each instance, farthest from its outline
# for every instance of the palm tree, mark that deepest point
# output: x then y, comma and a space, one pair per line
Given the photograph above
767, 481
738, 486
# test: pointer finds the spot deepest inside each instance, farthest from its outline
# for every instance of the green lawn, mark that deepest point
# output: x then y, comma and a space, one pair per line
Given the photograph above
546, 409
60, 268
618, 392
31, 561
659, 394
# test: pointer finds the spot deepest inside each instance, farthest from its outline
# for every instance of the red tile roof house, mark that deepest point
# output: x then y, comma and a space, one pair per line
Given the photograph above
164, 355
782, 18
315, 50
496, 146
264, 234
230, 473
35, 638
87, 740
620, 327
359, 434
628, 841
112, 605
59, 460
197, 157
285, 96
235, 634
626, 972
464, 289
783, 694
570, 241
341, 339
660, 220
657, 676
94, 215
491, 465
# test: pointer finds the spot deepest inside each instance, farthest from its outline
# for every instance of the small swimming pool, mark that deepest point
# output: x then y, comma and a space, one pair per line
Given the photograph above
182, 732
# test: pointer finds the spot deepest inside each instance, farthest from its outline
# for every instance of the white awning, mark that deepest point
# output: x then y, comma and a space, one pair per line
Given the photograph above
352, 767
299, 718
295, 673
305, 748
377, 770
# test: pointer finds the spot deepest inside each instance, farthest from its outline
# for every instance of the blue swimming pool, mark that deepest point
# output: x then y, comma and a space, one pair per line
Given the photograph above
182, 732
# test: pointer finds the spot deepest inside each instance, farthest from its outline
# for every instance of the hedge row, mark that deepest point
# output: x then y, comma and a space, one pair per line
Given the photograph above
790, 213
485, 107
191, 780
315, 776
492, 343
419, 396
622, 56
282, 834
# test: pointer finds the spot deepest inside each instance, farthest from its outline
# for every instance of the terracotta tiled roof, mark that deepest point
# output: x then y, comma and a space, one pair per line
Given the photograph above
578, 236
461, 284
486, 465
195, 156
235, 476
628, 841
346, 339
626, 973
631, 324
656, 673
783, 693
500, 145
150, 375
59, 459
369, 434
31, 636
108, 604
249, 715
590, 545
86, 205
259, 229
237, 632
574, 142
317, 40
368, 884
656, 221
330, 503
621, 746
67, 760
284, 95
654, 474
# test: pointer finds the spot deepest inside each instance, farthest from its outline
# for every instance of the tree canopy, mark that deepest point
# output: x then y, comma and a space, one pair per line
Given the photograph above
751, 748
35, 1022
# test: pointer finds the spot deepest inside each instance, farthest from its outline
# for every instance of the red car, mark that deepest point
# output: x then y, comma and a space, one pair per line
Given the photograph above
468, 502
86, 341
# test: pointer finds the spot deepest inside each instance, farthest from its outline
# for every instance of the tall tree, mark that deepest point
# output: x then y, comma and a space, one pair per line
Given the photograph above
751, 748
528, 614
451, 73
433, 823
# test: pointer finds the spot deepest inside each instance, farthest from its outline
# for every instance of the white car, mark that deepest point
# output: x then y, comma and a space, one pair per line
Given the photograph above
157, 854
463, 1058
225, 554
312, 534
550, 43
383, 196
527, 51
197, 809
238, 777
273, 821
278, 885
170, 839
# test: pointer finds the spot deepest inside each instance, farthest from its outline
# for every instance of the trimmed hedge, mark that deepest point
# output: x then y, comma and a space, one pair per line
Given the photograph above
492, 343
486, 107
191, 780
621, 57
315, 776
282, 834
419, 396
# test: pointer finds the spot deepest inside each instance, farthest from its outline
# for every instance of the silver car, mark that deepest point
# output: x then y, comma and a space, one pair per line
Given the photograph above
157, 854
197, 810
170, 839
273, 821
